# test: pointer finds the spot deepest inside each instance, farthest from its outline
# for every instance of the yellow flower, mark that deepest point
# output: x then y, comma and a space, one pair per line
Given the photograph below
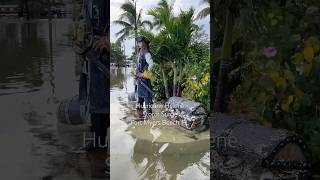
206, 78
308, 54
285, 104
280, 81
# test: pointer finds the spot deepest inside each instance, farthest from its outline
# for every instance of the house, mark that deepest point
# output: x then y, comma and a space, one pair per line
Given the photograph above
9, 10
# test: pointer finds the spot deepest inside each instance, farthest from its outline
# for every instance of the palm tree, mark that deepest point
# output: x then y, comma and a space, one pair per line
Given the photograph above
178, 32
162, 14
131, 21
181, 33
161, 44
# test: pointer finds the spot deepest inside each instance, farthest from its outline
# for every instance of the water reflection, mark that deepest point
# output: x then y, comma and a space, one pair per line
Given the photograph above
155, 165
151, 152
38, 69
23, 54
118, 79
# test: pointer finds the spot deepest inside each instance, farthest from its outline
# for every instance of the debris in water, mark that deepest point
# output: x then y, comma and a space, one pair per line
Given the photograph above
193, 137
144, 162
155, 133
163, 147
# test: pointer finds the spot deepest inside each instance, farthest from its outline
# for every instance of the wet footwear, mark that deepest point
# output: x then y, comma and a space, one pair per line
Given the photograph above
148, 116
140, 113
98, 163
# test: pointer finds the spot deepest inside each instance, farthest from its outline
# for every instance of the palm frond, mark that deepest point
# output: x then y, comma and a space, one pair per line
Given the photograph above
129, 7
139, 16
122, 23
162, 14
147, 23
123, 36
203, 13
128, 17
124, 33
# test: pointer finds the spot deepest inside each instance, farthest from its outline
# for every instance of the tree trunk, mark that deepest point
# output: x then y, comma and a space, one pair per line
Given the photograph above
212, 35
175, 73
165, 83
178, 93
225, 59
135, 30
135, 43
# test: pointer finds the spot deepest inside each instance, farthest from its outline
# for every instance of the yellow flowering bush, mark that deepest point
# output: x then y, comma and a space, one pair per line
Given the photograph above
196, 86
281, 75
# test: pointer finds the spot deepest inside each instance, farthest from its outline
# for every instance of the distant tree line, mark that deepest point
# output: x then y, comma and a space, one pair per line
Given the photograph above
117, 55
35, 8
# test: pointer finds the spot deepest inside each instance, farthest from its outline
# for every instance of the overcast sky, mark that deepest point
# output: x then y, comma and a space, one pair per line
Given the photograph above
148, 4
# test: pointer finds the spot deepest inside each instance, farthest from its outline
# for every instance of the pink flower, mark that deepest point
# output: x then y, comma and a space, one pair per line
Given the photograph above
194, 78
269, 52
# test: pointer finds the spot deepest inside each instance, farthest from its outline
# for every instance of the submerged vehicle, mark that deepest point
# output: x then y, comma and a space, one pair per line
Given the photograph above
242, 149
190, 115
186, 113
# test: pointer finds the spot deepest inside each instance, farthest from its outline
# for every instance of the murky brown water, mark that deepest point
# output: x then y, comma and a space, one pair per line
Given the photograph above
38, 69
151, 151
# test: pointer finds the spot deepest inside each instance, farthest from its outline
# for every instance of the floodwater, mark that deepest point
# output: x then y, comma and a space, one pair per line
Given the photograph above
156, 151
38, 69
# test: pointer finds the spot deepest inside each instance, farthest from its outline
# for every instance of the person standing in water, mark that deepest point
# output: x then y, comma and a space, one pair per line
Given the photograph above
94, 83
143, 74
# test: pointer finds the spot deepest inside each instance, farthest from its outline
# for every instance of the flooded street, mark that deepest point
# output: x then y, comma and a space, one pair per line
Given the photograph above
153, 151
38, 69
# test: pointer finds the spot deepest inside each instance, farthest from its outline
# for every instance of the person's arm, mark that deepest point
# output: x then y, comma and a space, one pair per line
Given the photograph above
148, 74
149, 61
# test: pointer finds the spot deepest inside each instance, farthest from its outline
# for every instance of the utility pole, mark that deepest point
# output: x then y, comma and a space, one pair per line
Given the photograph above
124, 51
135, 28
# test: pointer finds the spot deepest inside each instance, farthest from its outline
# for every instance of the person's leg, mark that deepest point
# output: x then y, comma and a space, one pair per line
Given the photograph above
140, 103
99, 123
140, 107
149, 104
98, 157
102, 130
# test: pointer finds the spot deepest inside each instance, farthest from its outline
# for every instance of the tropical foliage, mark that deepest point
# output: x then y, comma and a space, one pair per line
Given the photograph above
277, 52
117, 55
178, 54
